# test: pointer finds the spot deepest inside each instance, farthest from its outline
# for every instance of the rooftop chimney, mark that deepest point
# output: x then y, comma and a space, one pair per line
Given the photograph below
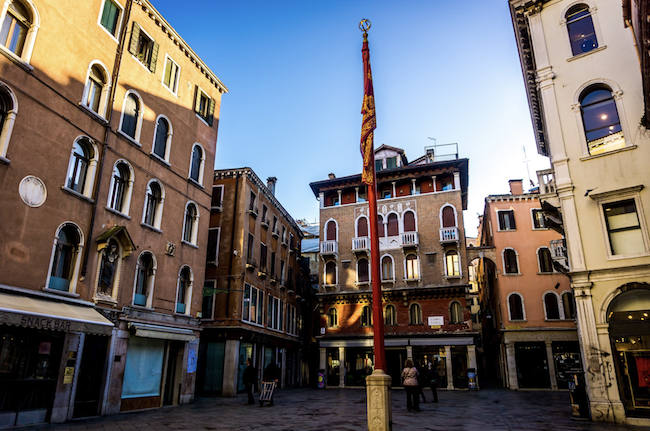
332, 176
516, 188
270, 184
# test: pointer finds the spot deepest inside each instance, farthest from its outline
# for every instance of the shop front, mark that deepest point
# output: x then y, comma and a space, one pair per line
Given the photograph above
41, 356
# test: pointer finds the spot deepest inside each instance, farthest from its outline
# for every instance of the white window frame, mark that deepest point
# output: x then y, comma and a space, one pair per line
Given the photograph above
503, 262
420, 317
91, 170
499, 224
168, 140
560, 305
415, 218
369, 272
617, 196
565, 30
30, 38
523, 307
174, 91
532, 219
223, 189
455, 214
199, 180
259, 294
188, 293
460, 267
118, 26
128, 190
157, 222
336, 274
276, 304
292, 320
72, 287
539, 261
329, 320
381, 269
336, 223
394, 314
8, 125
151, 281
194, 230
200, 91
138, 122
103, 98
356, 226
417, 258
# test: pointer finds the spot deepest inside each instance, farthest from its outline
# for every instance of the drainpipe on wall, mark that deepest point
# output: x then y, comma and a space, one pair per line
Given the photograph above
232, 241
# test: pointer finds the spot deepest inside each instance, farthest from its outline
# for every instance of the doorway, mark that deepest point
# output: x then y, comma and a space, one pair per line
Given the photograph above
173, 374
532, 365
87, 400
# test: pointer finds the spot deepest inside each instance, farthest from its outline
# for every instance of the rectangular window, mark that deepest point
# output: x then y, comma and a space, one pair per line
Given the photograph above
110, 17
143, 368
251, 242
213, 246
275, 224
217, 197
272, 269
385, 194
207, 307
391, 163
292, 323
253, 305
251, 205
379, 165
275, 313
506, 220
284, 235
143, 47
623, 228
282, 280
265, 210
263, 255
171, 75
204, 106
447, 185
538, 220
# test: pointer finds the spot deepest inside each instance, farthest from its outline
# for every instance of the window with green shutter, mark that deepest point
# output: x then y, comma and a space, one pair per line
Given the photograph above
204, 106
110, 16
143, 47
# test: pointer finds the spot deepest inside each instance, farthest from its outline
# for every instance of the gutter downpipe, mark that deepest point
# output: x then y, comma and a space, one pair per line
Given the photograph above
232, 239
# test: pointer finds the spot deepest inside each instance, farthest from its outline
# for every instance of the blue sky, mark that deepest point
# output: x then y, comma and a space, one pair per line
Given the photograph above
448, 70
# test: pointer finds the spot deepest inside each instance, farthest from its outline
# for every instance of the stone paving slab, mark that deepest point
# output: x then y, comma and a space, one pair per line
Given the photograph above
345, 410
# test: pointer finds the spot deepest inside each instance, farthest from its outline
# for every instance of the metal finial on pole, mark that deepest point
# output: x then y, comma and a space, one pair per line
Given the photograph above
364, 26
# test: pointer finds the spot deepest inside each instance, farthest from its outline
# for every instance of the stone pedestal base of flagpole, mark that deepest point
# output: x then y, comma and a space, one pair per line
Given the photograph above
380, 411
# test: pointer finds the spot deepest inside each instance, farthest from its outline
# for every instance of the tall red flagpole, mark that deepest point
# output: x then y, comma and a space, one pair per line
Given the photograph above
368, 177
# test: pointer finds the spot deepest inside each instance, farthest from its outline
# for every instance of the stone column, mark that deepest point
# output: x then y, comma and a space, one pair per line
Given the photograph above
230, 368
456, 180
379, 405
551, 365
342, 367
433, 182
511, 366
409, 352
356, 194
448, 366
340, 201
413, 189
471, 356
394, 190
321, 200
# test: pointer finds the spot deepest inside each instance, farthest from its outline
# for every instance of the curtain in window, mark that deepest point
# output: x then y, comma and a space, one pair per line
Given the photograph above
389, 317
456, 313
448, 219
409, 221
387, 268
412, 266
362, 227
143, 368
331, 230
453, 267
121, 178
415, 314
393, 225
363, 273
330, 273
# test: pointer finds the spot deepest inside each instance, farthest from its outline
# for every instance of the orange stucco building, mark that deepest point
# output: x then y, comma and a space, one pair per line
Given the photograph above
105, 133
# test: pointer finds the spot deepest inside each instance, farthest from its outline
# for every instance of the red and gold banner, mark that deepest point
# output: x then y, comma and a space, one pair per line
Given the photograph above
369, 123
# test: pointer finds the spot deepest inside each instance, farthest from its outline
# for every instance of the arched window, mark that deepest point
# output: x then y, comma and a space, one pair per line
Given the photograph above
569, 305
144, 280
8, 111
153, 205
452, 264
455, 312
184, 293
109, 262
415, 314
510, 261
448, 217
81, 168
330, 273
633, 305
581, 29
393, 225
409, 221
362, 227
162, 139
132, 116
190, 227
366, 316
516, 307
412, 267
332, 318
96, 89
121, 187
330, 231
387, 273
65, 259
363, 273
19, 27
390, 315
545, 260
380, 226
196, 164
551, 306
600, 120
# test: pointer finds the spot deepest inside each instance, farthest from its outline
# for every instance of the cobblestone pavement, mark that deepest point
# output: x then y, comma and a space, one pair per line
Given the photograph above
345, 409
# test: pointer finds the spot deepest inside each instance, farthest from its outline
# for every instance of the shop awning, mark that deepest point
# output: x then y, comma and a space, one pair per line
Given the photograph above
162, 332
57, 316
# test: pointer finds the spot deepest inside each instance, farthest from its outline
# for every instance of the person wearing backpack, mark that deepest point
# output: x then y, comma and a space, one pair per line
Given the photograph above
410, 378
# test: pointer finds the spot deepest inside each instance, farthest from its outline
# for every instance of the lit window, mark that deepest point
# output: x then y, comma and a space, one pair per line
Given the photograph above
538, 220
415, 314
332, 318
455, 313
600, 120
390, 318
452, 264
623, 228
412, 270
581, 29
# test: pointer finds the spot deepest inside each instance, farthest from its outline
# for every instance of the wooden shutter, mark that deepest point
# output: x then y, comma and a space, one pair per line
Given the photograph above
448, 219
154, 58
210, 112
197, 100
135, 37
362, 229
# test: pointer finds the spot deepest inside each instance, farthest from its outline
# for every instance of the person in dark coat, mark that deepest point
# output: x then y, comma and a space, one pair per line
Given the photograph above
432, 378
422, 383
272, 374
250, 375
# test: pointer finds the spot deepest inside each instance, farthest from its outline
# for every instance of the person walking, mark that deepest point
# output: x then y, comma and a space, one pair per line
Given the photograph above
272, 374
422, 382
249, 377
410, 381
432, 378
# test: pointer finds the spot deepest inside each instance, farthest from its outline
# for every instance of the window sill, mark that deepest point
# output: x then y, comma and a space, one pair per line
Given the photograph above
585, 54
13, 57
4, 160
142, 307
119, 213
157, 158
518, 320
362, 283
627, 256
388, 281
93, 114
129, 139
189, 244
511, 274
155, 229
330, 286
77, 194
554, 320
507, 230
196, 183
181, 314
61, 292
146, 66
453, 277
546, 273
106, 300
540, 228
175, 93
217, 209
114, 37
609, 153
412, 279
203, 120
